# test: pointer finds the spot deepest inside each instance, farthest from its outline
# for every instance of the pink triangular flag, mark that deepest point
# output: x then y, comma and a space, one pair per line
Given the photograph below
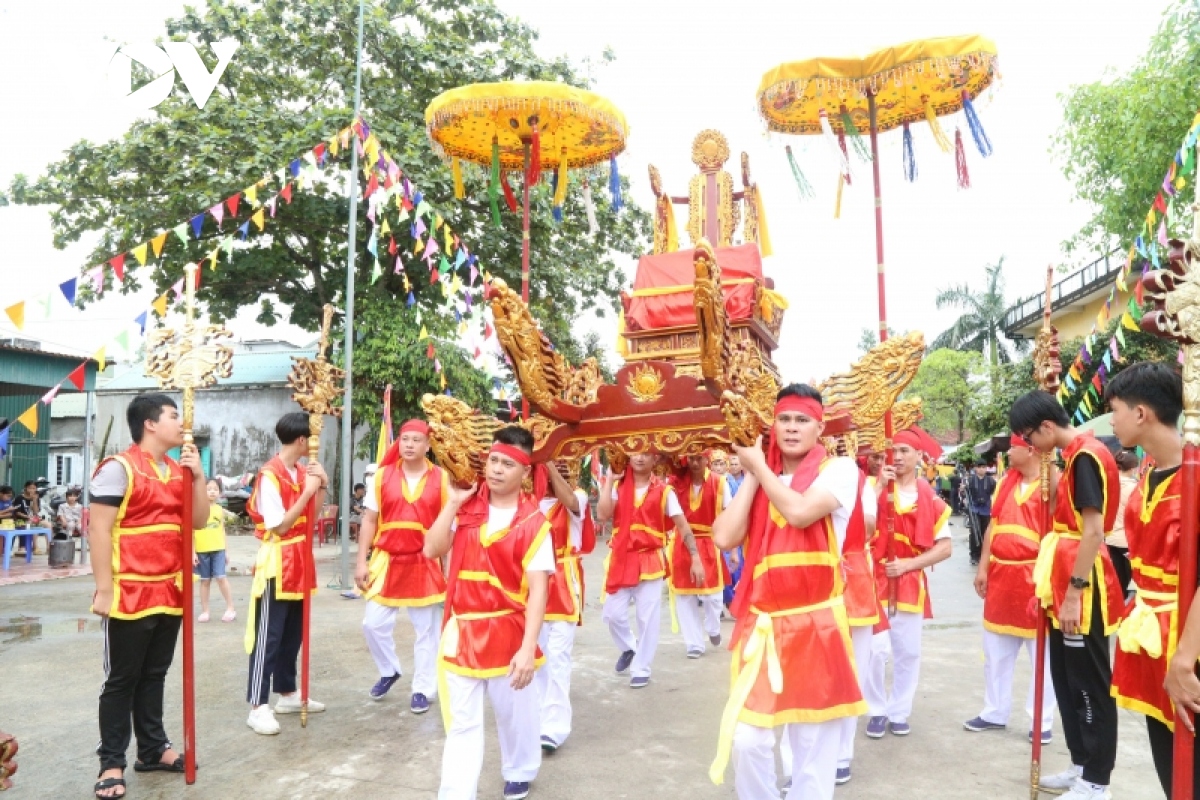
218, 212
49, 396
177, 288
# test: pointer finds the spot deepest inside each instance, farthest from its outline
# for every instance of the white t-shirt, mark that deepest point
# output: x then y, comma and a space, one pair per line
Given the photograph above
673, 507
870, 502
270, 503
371, 504
840, 479
543, 557
908, 500
575, 528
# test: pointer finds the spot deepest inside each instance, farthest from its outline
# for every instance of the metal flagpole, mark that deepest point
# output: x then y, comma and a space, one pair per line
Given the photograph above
88, 432
348, 339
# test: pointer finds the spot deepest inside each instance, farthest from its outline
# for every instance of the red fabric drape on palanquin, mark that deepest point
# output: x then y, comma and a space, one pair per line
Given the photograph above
740, 267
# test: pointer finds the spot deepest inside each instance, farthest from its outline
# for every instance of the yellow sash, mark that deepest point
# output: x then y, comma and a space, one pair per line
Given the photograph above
1140, 632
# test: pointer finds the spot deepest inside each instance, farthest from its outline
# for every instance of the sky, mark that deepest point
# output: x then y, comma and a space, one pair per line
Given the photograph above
680, 68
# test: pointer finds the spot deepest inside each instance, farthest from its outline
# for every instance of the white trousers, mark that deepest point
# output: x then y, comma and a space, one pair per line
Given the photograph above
516, 727
647, 600
860, 637
903, 640
553, 680
812, 752
378, 623
999, 659
699, 617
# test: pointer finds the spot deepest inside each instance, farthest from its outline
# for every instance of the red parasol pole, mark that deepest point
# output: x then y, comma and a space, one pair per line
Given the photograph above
1182, 778
889, 525
189, 624
525, 253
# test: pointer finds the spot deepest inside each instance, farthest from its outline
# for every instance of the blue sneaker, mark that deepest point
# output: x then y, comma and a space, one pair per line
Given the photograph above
382, 686
876, 727
843, 776
640, 682
900, 728
1045, 737
980, 724
419, 704
516, 790
624, 661
548, 744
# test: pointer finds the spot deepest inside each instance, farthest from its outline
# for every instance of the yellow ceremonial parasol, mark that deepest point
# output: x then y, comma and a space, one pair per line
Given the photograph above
521, 127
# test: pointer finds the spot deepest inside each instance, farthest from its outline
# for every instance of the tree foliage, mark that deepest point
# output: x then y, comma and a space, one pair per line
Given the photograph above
945, 383
1120, 133
982, 323
289, 86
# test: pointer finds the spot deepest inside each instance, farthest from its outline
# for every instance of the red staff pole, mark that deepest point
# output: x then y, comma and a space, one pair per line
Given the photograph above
889, 525
189, 664
525, 253
1182, 778
306, 614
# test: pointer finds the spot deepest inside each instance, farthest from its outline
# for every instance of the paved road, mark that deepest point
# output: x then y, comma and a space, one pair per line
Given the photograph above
653, 743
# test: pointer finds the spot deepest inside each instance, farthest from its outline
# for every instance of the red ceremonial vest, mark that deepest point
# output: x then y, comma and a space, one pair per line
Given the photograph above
484, 620
147, 543
565, 601
1153, 620
912, 588
644, 542
401, 575
1017, 533
700, 508
862, 605
288, 570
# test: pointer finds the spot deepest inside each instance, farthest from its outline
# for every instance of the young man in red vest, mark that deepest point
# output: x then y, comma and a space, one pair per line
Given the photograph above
921, 539
1005, 582
405, 497
274, 630
698, 604
574, 535
793, 659
137, 561
643, 509
501, 559
1146, 401
1077, 585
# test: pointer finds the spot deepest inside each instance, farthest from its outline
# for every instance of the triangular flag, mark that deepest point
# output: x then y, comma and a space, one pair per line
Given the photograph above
384, 228
140, 319
258, 219
16, 312
180, 230
4, 441
30, 419
118, 266
251, 194
49, 396
424, 333
139, 253
68, 290
376, 271
160, 307
232, 204
100, 358
122, 340
197, 224
429, 351
244, 229
45, 302
78, 376
157, 243
286, 194
1120, 335
218, 212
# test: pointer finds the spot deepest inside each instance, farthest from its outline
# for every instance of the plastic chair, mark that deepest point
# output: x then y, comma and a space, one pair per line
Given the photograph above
327, 524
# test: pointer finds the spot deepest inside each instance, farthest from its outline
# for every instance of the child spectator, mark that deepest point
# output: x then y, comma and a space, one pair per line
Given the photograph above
209, 558
70, 514
6, 502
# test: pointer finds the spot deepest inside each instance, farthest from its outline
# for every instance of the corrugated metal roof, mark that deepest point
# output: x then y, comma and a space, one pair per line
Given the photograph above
68, 404
249, 369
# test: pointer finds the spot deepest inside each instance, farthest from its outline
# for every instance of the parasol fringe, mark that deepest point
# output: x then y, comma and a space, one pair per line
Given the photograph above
982, 142
831, 140
509, 197
802, 185
910, 158
614, 184
560, 189
837, 204
960, 161
589, 208
494, 184
851, 131
935, 127
460, 191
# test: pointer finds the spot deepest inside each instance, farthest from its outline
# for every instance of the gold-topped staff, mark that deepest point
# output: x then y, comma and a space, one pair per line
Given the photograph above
191, 360
316, 384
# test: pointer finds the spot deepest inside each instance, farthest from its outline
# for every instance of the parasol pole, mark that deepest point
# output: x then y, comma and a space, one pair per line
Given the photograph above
889, 524
525, 253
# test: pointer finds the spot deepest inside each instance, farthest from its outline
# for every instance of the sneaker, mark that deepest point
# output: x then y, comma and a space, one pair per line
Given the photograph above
624, 661
548, 744
980, 724
1045, 737
640, 682
1061, 781
516, 790
715, 640
290, 704
843, 776
262, 720
787, 787
1082, 790
419, 703
382, 686
900, 728
876, 727
695, 653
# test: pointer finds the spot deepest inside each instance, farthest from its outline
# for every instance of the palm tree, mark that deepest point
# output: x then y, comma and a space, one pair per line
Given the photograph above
979, 328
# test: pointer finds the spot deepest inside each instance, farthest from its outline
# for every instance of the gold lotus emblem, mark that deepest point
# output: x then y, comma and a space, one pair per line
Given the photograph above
646, 384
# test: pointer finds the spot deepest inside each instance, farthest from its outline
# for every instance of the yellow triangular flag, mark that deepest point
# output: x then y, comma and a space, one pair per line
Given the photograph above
157, 243
258, 219
449, 238
251, 195
442, 375
424, 333
1128, 321
139, 253
418, 246
334, 146
213, 256
30, 419
16, 312
438, 222
160, 305
100, 358
385, 229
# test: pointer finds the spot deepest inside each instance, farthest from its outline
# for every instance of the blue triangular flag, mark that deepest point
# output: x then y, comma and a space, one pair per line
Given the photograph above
140, 319
244, 229
4, 441
294, 167
372, 244
417, 198
68, 290
411, 299
197, 224
460, 259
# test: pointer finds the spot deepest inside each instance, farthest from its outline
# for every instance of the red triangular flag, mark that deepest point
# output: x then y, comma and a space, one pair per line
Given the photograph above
1137, 292
1160, 205
408, 206
433, 276
372, 185
1096, 383
429, 350
392, 245
118, 266
286, 193
487, 330
232, 204
77, 377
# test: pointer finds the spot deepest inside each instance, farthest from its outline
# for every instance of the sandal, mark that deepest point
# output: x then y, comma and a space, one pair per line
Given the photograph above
229, 616
109, 783
159, 766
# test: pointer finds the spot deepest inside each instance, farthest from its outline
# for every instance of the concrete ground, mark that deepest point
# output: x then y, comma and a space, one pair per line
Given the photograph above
653, 743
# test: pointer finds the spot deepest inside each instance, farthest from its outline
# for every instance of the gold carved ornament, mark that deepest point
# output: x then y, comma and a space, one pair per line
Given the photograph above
711, 320
459, 435
541, 372
750, 230
905, 414
646, 384
872, 385
540, 427
1047, 367
316, 385
1175, 294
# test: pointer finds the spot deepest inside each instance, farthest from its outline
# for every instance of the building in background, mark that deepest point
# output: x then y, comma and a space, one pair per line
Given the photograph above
1076, 299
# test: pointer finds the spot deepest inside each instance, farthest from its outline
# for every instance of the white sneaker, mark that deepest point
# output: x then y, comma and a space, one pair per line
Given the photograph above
290, 704
1082, 790
262, 720
1062, 781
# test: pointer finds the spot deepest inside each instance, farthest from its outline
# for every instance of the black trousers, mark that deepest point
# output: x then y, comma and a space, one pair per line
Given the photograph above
1124, 570
1162, 746
277, 636
1082, 675
977, 532
137, 656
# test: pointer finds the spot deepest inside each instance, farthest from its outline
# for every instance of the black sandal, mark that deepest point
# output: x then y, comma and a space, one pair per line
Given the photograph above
159, 766
109, 783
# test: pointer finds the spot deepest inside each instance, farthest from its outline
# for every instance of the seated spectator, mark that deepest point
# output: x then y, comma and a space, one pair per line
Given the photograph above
70, 514
6, 504
27, 507
356, 509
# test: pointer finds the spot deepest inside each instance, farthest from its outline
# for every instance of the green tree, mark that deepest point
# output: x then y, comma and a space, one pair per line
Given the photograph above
289, 86
989, 408
1120, 133
982, 323
944, 382
870, 337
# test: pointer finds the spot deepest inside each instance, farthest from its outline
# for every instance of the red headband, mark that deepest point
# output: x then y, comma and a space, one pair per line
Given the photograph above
515, 453
918, 439
415, 426
804, 405
1016, 440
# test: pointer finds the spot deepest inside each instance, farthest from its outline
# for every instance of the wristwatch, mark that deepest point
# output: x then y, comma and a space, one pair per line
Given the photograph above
1080, 583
